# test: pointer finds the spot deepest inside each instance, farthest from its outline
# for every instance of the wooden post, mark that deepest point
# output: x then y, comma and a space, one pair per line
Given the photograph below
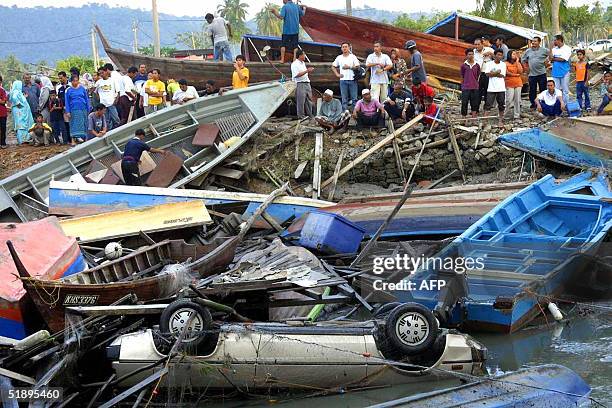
94, 49
330, 197
456, 150
456, 26
316, 178
349, 8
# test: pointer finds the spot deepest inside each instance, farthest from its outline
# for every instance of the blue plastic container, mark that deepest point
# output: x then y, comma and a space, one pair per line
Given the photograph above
331, 234
573, 109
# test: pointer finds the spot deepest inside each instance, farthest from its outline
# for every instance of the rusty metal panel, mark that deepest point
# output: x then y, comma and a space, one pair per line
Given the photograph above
206, 135
165, 171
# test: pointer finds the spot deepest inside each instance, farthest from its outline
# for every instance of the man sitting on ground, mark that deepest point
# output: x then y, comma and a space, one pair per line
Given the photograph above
184, 94
399, 103
368, 111
550, 102
331, 116
96, 123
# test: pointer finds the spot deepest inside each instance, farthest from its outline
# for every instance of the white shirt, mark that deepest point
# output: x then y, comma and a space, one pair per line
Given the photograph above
180, 95
341, 61
128, 85
217, 29
107, 91
117, 78
298, 66
548, 98
480, 58
564, 52
496, 84
144, 95
377, 75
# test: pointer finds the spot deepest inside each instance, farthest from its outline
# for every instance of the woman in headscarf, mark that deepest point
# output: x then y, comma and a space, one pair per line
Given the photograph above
77, 107
43, 99
22, 115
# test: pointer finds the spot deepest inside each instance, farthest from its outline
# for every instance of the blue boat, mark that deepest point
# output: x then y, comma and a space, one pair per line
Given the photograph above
82, 199
498, 274
578, 142
548, 385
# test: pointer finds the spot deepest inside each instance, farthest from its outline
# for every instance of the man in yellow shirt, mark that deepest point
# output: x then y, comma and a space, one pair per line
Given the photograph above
240, 77
156, 91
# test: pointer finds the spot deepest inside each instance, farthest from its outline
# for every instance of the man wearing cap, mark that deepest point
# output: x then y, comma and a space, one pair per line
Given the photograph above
331, 116
303, 91
417, 65
379, 64
369, 111
534, 63
399, 103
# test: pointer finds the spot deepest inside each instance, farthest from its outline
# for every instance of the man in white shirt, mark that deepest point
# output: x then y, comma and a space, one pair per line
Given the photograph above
220, 31
303, 91
550, 102
108, 94
184, 94
343, 67
482, 55
496, 90
379, 64
127, 96
560, 56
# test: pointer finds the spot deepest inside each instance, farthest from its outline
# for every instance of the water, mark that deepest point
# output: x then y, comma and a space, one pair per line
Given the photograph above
584, 344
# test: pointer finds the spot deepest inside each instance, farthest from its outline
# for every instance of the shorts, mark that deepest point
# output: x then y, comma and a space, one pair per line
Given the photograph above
290, 41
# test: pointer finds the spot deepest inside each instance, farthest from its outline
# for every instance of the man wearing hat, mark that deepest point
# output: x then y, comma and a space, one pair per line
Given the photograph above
331, 116
369, 111
417, 65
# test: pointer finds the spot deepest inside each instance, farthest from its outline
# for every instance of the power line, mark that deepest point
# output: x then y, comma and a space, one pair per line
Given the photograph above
45, 41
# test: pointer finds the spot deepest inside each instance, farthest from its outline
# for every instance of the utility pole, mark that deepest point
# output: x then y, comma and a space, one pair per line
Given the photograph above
135, 32
156, 45
349, 8
94, 48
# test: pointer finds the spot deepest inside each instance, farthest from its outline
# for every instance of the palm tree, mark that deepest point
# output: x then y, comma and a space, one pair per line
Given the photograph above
556, 4
267, 23
235, 13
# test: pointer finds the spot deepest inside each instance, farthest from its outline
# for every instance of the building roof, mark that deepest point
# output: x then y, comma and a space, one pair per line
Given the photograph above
472, 27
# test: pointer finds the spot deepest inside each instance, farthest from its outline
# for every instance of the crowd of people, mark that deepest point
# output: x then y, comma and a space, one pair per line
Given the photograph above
79, 107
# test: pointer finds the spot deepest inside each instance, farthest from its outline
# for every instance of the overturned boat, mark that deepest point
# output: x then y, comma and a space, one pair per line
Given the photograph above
325, 355
199, 135
502, 271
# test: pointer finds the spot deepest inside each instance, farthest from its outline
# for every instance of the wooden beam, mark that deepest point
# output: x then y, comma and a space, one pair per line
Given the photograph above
456, 150
17, 376
375, 148
316, 178
332, 191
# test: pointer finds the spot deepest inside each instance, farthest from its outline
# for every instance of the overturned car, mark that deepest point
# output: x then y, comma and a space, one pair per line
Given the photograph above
405, 346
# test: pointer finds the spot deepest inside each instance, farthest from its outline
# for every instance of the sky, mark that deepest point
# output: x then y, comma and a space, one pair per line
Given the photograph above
198, 7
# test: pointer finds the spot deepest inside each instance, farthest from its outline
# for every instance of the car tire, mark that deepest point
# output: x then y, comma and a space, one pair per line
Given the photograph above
411, 329
174, 318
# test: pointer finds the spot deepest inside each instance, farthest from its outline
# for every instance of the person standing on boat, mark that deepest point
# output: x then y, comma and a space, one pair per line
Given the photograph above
343, 67
77, 107
290, 13
156, 90
3, 115
131, 158
534, 63
220, 31
560, 56
417, 65
379, 63
303, 92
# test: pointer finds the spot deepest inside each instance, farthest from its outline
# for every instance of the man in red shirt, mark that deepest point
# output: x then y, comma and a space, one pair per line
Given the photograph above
419, 91
431, 110
3, 115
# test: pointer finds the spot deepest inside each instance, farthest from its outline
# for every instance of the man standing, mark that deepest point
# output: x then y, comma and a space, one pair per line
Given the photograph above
220, 31
343, 67
500, 44
290, 13
96, 123
127, 97
550, 102
534, 63
139, 81
107, 92
131, 158
3, 115
470, 72
417, 65
184, 94
560, 55
240, 76
61, 89
156, 90
369, 111
32, 93
496, 91
482, 55
303, 92
331, 115
379, 64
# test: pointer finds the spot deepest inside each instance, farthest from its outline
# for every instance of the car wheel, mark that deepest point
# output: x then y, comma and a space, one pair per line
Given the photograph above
175, 316
411, 328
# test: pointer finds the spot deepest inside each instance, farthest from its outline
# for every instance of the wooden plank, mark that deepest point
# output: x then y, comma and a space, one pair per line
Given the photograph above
227, 172
375, 148
316, 178
456, 150
330, 197
165, 171
16, 376
144, 383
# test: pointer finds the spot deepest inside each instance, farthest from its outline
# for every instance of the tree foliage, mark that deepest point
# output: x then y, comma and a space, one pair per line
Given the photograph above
164, 51
11, 69
84, 64
420, 24
268, 23
235, 13
194, 39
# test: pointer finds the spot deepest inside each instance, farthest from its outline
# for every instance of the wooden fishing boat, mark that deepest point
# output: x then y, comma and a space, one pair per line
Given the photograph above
580, 142
525, 250
233, 117
47, 254
137, 273
197, 72
443, 56
251, 46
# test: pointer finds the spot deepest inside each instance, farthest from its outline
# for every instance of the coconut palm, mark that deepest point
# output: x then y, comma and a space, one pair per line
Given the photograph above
267, 23
235, 13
